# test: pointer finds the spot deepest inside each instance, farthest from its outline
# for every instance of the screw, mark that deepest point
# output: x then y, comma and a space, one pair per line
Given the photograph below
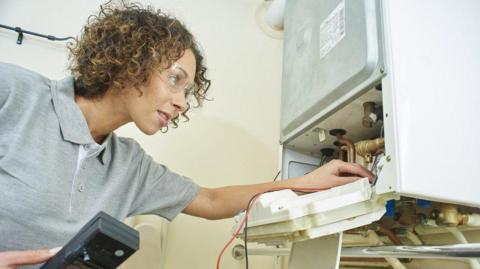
389, 158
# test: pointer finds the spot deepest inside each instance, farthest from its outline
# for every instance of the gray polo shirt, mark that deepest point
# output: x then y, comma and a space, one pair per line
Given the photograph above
43, 201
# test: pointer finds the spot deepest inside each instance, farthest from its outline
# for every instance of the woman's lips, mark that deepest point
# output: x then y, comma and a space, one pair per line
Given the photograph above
164, 118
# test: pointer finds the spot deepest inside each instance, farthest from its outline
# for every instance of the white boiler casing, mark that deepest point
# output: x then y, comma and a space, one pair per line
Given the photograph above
426, 56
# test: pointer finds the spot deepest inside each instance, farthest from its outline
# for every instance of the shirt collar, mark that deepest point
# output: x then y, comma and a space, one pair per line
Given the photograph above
106, 154
73, 125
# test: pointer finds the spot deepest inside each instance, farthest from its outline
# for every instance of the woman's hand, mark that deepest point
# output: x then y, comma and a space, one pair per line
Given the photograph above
334, 173
12, 259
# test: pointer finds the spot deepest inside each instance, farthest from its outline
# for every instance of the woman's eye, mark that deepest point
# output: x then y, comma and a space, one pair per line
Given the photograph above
173, 80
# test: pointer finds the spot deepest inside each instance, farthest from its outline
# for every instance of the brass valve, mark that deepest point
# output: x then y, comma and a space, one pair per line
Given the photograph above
450, 216
368, 148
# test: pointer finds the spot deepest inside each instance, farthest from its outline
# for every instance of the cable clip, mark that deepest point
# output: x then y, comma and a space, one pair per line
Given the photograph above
20, 35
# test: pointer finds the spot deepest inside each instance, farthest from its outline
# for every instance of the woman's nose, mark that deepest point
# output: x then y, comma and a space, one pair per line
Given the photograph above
180, 102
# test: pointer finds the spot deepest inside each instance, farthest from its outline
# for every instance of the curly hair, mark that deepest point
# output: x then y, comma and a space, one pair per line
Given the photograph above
124, 44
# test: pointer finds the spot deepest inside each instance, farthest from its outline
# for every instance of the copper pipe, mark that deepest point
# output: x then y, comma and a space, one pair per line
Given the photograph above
390, 234
344, 155
351, 148
341, 152
408, 215
339, 133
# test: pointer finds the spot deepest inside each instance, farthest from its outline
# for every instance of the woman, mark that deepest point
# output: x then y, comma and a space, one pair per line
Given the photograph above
61, 163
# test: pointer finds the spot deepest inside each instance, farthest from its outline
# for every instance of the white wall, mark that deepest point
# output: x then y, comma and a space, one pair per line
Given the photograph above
231, 140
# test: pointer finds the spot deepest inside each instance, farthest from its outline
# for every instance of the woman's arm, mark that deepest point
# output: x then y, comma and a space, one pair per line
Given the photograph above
225, 202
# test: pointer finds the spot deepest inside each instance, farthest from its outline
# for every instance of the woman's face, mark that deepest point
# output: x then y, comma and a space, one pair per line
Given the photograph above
163, 96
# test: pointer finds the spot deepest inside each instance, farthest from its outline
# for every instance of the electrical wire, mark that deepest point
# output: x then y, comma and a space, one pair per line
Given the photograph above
275, 178
21, 31
238, 230
245, 229
244, 222
323, 160
374, 164
374, 169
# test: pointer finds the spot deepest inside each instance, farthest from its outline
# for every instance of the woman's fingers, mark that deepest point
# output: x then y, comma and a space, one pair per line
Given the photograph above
354, 169
28, 257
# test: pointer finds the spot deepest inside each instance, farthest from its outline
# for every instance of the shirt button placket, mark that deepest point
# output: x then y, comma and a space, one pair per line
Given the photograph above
81, 187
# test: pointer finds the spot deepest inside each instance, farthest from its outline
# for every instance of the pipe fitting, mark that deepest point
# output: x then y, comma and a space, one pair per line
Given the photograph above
369, 148
369, 115
339, 133
449, 215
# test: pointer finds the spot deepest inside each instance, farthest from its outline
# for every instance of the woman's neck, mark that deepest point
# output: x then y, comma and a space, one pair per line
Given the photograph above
103, 115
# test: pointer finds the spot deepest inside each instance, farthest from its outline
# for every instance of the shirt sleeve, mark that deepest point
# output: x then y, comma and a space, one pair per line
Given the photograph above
163, 192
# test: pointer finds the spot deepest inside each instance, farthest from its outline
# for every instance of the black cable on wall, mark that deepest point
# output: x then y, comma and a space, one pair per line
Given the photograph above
21, 31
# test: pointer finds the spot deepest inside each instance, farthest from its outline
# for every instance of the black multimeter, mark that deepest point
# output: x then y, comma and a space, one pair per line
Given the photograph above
103, 243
